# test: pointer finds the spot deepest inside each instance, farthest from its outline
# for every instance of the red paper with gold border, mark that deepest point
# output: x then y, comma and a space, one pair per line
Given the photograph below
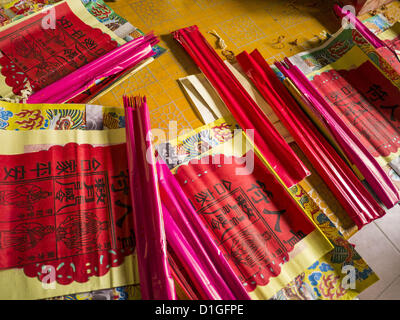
369, 105
68, 209
40, 55
252, 218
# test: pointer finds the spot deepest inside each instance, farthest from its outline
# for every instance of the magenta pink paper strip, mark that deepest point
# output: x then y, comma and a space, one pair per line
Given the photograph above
155, 279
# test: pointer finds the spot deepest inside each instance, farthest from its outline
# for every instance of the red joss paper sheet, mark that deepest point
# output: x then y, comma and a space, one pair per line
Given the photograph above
252, 219
349, 191
243, 108
370, 167
44, 55
67, 207
369, 103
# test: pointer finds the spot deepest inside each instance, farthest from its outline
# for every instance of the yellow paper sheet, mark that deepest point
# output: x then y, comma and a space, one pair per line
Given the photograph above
322, 280
353, 59
342, 220
22, 141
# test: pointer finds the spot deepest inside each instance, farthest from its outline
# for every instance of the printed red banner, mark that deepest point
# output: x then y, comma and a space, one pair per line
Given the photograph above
67, 207
34, 50
252, 218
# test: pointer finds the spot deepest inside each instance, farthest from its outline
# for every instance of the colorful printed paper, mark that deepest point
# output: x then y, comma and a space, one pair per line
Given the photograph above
17, 116
384, 51
109, 66
70, 117
377, 24
18, 9
368, 104
347, 43
336, 47
72, 192
109, 22
119, 293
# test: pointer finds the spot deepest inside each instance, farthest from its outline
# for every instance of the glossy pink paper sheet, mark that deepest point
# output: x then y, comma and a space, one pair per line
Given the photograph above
156, 282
